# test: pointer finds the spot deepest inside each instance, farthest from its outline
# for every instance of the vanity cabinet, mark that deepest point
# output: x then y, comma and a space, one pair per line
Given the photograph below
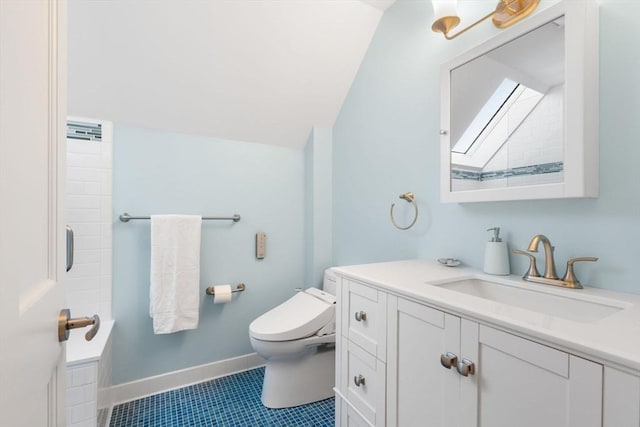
514, 381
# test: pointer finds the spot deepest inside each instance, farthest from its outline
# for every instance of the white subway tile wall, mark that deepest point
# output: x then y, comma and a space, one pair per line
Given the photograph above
89, 283
88, 209
104, 384
88, 383
82, 391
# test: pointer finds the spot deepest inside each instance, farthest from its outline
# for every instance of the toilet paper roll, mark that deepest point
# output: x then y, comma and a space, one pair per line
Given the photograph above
222, 294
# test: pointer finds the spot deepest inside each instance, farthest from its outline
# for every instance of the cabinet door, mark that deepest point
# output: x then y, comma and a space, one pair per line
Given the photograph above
421, 392
525, 384
621, 399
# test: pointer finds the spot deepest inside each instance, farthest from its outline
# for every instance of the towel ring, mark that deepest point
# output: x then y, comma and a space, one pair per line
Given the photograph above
409, 198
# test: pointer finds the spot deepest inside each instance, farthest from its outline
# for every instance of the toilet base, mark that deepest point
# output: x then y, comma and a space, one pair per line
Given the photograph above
301, 379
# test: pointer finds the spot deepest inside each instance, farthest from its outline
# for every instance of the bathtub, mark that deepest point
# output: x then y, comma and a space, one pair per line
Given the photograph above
89, 377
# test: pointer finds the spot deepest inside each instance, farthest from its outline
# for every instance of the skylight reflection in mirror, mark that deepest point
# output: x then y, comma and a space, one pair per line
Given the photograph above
488, 111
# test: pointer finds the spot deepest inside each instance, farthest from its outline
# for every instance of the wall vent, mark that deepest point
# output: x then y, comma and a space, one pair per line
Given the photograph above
84, 131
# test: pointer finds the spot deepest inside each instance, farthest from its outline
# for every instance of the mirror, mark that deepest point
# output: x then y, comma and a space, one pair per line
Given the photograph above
508, 103
515, 124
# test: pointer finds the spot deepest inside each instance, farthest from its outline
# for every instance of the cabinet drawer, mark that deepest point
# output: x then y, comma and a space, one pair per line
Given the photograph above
363, 382
346, 416
354, 419
364, 317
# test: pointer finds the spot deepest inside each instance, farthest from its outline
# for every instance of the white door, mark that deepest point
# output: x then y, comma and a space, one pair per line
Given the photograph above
32, 116
421, 391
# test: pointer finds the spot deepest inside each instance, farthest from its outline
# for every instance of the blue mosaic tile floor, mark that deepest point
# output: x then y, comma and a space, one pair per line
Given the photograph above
228, 401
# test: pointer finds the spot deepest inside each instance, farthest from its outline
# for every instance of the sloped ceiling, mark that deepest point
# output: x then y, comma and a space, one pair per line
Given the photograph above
250, 70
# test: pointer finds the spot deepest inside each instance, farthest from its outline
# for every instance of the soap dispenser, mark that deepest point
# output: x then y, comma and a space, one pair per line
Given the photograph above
496, 255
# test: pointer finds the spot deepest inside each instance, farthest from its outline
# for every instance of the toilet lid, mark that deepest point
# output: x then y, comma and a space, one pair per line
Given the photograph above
299, 317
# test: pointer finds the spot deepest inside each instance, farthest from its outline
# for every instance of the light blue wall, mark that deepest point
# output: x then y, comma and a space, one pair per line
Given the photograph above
160, 172
386, 143
308, 211
322, 202
318, 209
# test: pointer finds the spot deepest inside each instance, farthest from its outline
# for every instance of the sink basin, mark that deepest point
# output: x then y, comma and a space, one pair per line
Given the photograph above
575, 309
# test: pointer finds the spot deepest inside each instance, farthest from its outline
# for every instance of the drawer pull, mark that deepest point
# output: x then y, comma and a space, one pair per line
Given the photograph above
361, 316
448, 360
466, 367
359, 380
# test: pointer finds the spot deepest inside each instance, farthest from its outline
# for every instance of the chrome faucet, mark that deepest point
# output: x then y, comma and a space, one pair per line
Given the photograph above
569, 280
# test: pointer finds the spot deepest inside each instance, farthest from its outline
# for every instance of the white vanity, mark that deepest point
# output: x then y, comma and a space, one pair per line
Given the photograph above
421, 344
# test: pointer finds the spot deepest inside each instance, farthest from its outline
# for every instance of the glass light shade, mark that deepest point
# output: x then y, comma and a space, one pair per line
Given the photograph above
442, 8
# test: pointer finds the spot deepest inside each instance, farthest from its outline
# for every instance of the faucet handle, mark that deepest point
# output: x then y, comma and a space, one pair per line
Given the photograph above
570, 276
533, 269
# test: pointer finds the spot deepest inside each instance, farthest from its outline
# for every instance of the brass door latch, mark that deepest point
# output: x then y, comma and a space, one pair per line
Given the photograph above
66, 323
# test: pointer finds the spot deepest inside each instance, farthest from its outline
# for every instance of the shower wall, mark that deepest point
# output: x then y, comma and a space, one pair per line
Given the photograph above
88, 210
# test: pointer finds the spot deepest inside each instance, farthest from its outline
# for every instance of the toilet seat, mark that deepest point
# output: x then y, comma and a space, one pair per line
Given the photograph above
300, 316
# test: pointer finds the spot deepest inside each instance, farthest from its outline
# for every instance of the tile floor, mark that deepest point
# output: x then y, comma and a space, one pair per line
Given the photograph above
228, 401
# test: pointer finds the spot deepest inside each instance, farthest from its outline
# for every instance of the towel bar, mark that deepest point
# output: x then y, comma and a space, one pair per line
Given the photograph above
240, 288
125, 217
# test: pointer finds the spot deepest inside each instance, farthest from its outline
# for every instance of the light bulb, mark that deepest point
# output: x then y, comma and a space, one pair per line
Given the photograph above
442, 8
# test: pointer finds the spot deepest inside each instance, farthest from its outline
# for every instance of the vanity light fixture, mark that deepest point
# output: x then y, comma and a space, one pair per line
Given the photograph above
507, 13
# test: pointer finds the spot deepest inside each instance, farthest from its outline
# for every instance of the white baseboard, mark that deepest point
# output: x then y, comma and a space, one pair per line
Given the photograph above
157, 384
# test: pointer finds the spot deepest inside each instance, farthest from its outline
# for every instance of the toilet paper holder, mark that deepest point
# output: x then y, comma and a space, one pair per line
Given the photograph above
239, 288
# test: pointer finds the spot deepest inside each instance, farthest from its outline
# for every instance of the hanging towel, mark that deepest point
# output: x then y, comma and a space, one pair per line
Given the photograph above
175, 272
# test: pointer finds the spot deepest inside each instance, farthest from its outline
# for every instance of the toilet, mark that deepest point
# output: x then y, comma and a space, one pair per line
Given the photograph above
297, 341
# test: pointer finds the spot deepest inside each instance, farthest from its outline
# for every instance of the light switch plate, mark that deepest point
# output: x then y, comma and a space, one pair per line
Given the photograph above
261, 245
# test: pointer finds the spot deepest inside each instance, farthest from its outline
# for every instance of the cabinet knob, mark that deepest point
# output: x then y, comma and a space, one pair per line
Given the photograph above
466, 367
448, 360
358, 380
361, 316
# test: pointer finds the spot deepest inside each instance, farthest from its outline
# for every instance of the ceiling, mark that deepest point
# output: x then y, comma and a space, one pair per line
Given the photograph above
261, 71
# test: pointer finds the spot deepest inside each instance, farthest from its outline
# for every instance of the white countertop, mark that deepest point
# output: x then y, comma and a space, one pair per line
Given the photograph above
614, 340
79, 350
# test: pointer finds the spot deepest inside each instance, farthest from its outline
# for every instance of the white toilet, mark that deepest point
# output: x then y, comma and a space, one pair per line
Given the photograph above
297, 340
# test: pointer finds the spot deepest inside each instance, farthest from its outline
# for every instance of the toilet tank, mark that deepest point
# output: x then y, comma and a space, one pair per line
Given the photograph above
329, 282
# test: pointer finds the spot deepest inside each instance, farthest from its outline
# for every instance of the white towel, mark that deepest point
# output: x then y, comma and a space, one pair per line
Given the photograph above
175, 272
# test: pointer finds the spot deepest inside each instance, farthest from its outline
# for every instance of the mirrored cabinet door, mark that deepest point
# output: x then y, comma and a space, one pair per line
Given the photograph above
519, 112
